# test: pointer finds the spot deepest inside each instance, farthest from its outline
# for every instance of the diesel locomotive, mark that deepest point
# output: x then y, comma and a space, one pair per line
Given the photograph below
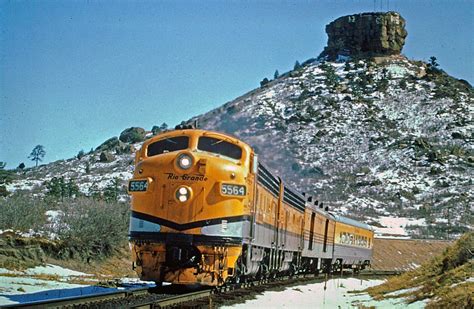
206, 211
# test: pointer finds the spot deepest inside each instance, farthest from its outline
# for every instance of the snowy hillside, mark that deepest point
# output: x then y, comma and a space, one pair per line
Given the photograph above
386, 138
88, 173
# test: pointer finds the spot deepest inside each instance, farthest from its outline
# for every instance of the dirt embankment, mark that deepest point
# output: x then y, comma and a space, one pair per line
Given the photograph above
405, 254
19, 253
444, 281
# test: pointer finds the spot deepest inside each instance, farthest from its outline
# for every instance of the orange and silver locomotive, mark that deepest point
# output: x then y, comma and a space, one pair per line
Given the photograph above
205, 211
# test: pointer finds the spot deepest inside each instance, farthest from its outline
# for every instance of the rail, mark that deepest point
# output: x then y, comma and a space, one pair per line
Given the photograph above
169, 296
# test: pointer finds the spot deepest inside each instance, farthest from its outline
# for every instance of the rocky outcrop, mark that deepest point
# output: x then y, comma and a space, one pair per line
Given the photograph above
365, 34
115, 145
133, 135
110, 144
106, 157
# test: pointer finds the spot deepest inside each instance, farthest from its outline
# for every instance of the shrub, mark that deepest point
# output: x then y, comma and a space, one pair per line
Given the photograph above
21, 213
94, 226
332, 79
6, 176
3, 191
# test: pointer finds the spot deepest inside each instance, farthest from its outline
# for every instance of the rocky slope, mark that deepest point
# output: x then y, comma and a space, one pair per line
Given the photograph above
371, 137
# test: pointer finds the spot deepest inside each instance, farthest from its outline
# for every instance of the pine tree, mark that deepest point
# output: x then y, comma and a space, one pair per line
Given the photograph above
80, 154
297, 65
276, 75
37, 154
111, 192
164, 126
433, 62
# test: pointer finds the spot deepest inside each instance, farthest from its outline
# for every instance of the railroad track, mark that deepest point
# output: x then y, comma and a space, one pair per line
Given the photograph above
173, 296
132, 298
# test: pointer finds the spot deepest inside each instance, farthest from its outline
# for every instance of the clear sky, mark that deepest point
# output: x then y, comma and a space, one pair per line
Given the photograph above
75, 73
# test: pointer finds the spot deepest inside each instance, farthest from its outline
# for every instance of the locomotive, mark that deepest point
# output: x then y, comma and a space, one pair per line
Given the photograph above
206, 211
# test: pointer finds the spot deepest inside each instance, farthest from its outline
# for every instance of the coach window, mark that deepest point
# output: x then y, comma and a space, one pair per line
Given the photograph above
167, 145
221, 147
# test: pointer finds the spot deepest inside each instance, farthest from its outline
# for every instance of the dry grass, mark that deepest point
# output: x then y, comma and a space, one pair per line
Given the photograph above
442, 279
405, 254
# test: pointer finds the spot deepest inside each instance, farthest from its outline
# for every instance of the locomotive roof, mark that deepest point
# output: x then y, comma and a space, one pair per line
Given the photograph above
191, 131
352, 222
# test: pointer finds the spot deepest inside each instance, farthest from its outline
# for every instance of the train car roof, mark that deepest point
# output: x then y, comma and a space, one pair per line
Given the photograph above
352, 222
319, 210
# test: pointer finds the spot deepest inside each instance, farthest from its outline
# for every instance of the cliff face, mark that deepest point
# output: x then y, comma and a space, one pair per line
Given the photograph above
366, 34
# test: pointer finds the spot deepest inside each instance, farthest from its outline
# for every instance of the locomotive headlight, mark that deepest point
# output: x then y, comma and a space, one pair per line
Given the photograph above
185, 161
183, 194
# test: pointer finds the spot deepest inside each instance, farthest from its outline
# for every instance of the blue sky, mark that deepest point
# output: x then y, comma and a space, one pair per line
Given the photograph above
75, 73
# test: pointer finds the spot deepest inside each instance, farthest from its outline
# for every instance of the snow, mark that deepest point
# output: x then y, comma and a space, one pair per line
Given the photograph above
14, 290
334, 294
50, 269
51, 282
396, 226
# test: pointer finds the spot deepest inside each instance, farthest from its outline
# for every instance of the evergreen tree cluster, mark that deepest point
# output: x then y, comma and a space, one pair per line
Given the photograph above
60, 188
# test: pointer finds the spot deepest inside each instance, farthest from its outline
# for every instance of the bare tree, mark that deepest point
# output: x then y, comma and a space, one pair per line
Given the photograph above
37, 154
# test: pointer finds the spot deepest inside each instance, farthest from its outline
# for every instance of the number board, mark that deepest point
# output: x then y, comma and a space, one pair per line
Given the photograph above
229, 189
137, 185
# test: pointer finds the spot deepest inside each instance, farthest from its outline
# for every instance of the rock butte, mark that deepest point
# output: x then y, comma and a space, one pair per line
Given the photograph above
365, 35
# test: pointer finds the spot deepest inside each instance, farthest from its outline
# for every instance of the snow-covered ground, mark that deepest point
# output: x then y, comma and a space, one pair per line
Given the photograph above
335, 293
50, 282
396, 227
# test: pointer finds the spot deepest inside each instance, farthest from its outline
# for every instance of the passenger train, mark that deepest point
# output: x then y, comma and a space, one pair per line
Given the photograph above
206, 211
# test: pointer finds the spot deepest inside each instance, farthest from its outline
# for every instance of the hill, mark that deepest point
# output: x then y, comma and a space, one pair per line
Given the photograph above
374, 135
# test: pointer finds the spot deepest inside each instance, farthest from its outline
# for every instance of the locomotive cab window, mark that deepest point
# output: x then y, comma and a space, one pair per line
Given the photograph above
167, 145
221, 147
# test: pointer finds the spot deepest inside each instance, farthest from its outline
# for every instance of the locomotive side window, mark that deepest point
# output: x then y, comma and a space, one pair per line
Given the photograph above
219, 146
167, 145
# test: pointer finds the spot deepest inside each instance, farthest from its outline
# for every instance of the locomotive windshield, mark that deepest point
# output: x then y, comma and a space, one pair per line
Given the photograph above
168, 145
221, 147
